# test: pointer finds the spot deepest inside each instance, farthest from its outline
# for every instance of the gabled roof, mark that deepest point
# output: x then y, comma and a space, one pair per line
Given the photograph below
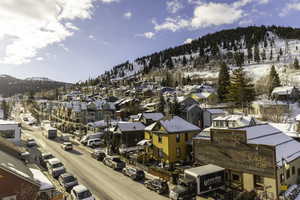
177, 125
16, 167
131, 126
216, 111
153, 116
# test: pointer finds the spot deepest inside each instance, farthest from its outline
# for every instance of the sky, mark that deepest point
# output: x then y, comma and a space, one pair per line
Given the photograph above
72, 40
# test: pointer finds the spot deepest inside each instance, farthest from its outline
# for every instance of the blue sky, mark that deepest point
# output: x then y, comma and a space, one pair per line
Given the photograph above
71, 40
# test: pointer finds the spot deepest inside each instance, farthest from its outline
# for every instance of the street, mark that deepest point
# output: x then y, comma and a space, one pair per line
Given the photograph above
104, 182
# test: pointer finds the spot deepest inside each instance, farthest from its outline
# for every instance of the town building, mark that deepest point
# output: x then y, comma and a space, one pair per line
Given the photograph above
10, 130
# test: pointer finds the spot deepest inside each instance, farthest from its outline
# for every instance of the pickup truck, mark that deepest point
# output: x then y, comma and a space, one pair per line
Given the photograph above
114, 162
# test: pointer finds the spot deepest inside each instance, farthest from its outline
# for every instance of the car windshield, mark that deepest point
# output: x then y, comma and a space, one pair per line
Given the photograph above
69, 144
84, 194
69, 179
116, 159
56, 165
49, 156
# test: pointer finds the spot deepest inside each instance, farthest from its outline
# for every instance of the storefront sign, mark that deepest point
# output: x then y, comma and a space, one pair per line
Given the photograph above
211, 182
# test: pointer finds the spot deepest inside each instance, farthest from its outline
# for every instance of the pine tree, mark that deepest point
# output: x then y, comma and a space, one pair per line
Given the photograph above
170, 64
5, 108
184, 61
161, 105
274, 80
223, 81
263, 55
296, 63
175, 107
256, 54
240, 91
280, 52
250, 54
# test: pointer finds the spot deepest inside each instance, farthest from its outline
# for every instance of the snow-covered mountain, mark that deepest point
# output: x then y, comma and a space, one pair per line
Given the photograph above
38, 79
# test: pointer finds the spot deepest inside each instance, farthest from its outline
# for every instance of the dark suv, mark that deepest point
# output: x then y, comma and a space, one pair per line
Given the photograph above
98, 154
157, 185
134, 173
67, 180
114, 162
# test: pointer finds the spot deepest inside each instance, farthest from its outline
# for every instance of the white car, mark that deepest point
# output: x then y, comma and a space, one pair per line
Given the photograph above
94, 142
31, 142
80, 192
55, 167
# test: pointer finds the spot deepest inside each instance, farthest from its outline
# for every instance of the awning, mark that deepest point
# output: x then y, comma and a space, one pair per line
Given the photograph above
42, 180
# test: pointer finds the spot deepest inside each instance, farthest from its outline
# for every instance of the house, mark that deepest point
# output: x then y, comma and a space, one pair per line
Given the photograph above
257, 158
16, 180
10, 130
170, 138
210, 114
285, 93
1, 114
192, 114
128, 134
209, 98
269, 110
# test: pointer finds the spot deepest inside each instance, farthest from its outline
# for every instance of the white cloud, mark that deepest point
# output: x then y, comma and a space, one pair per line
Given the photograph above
64, 47
30, 25
128, 15
173, 6
173, 24
295, 6
109, 1
215, 14
71, 26
39, 58
188, 41
246, 22
148, 35
92, 37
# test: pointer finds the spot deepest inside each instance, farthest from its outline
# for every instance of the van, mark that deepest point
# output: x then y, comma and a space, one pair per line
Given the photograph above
87, 137
94, 142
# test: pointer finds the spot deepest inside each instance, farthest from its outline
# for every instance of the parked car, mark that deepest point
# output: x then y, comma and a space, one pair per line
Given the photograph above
98, 154
55, 167
67, 146
157, 185
114, 162
87, 137
44, 157
96, 142
134, 173
67, 180
30, 142
80, 192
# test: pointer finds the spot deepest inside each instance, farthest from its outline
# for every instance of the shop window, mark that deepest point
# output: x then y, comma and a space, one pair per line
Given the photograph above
288, 174
159, 139
236, 177
293, 170
281, 178
258, 182
9, 134
177, 138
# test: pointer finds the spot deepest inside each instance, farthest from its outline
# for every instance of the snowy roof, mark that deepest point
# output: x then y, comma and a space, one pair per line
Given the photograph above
286, 147
203, 170
284, 90
45, 183
216, 111
153, 116
131, 126
177, 124
6, 122
203, 95
240, 120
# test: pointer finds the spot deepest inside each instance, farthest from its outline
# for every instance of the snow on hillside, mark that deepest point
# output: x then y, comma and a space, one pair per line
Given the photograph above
37, 79
128, 73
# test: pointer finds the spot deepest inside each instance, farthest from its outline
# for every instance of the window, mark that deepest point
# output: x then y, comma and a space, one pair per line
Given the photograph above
258, 182
288, 174
293, 170
7, 133
186, 137
159, 139
177, 137
298, 171
13, 197
236, 177
281, 178
178, 152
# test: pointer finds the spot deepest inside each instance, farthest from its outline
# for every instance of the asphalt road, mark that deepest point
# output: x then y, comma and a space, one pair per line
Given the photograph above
104, 183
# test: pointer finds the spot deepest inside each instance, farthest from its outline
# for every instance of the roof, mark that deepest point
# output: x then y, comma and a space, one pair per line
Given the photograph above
80, 188
239, 119
286, 147
177, 124
45, 183
8, 122
216, 111
284, 90
15, 166
54, 161
153, 116
203, 170
131, 126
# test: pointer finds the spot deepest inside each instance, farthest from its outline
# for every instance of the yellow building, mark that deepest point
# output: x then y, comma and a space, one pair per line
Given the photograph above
210, 98
171, 139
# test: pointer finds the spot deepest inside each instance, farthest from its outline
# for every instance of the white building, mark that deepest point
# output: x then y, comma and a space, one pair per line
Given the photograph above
10, 130
1, 114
